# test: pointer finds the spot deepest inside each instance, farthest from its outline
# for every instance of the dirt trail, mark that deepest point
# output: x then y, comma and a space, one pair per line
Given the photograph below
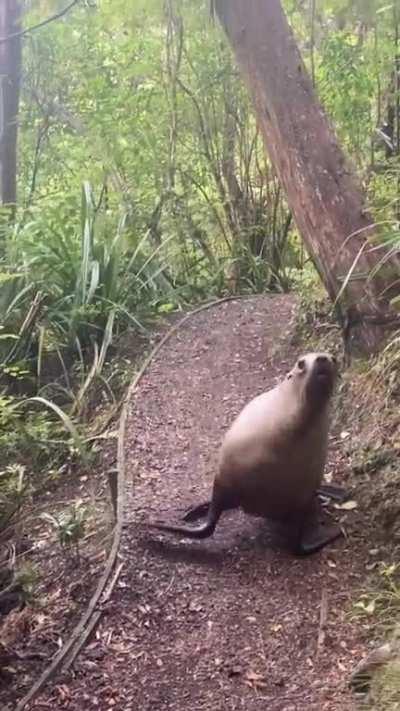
232, 622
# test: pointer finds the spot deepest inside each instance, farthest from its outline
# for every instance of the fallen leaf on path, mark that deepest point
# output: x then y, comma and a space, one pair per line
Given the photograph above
347, 506
255, 680
64, 692
195, 607
369, 607
276, 628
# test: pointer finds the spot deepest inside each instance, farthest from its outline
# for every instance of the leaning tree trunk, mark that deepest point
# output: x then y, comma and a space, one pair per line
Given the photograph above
322, 191
10, 71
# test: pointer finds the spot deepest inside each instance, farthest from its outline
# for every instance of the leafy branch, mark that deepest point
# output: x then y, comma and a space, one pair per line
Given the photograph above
54, 17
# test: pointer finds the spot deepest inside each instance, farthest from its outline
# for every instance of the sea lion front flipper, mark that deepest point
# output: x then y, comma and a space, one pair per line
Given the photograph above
332, 491
196, 512
316, 537
310, 533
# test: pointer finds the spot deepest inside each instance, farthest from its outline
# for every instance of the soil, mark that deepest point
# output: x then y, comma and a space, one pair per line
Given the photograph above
235, 621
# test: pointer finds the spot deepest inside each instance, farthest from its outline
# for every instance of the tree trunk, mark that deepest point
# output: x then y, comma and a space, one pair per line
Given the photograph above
322, 191
10, 74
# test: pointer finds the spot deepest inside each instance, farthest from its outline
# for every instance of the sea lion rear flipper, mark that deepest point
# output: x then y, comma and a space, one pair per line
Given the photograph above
204, 530
196, 512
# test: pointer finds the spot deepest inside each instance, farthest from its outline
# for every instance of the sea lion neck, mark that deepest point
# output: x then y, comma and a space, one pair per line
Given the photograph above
313, 380
312, 399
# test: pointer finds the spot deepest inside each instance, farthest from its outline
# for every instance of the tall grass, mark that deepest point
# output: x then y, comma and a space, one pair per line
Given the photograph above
86, 270
76, 279
71, 279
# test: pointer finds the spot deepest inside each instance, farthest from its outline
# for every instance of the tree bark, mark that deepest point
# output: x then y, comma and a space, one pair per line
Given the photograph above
10, 75
322, 190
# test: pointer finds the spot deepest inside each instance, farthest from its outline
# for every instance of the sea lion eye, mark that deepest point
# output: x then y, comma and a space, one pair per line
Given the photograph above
301, 364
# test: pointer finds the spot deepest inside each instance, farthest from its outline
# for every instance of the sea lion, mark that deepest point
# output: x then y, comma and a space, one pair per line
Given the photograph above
272, 458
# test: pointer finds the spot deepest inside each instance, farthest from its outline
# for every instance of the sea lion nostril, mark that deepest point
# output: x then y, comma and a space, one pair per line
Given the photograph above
322, 359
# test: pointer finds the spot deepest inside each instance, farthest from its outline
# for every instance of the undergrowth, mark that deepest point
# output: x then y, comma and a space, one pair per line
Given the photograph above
368, 398
76, 283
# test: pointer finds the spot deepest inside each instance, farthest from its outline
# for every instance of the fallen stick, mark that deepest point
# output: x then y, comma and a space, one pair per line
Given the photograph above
323, 618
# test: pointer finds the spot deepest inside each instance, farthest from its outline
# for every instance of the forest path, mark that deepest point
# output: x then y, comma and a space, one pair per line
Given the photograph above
232, 622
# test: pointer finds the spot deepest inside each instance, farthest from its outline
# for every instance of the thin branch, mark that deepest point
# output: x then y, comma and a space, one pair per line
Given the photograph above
42, 133
9, 589
57, 16
312, 41
323, 618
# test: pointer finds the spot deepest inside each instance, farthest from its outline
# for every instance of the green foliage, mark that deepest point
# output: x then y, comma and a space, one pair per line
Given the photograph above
346, 85
385, 602
13, 491
145, 118
18, 304
69, 525
25, 434
86, 270
26, 578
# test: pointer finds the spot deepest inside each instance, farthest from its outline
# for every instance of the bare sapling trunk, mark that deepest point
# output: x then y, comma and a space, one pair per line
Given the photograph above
10, 75
323, 192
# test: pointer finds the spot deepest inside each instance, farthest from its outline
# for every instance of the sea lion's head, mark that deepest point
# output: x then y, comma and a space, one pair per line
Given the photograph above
315, 375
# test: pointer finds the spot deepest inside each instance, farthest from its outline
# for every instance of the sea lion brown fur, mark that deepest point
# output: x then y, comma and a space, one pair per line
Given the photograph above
273, 456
